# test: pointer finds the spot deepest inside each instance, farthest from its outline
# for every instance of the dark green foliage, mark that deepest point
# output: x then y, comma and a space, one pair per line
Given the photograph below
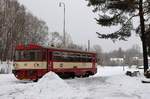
106, 20
115, 13
121, 13
121, 34
123, 5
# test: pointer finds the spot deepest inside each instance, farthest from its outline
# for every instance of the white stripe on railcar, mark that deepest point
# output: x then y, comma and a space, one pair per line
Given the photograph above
70, 65
30, 65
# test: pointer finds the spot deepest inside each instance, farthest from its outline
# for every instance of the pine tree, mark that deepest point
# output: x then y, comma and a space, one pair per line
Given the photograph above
122, 13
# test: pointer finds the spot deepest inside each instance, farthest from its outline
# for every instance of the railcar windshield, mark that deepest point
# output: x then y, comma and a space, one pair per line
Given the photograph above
31, 55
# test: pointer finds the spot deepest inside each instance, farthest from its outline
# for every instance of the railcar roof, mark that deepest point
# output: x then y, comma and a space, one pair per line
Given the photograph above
35, 46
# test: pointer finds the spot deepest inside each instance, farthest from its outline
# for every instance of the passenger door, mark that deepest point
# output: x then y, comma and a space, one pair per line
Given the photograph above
50, 62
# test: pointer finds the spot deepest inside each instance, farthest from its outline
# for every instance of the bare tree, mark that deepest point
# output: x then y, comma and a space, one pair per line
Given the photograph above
18, 26
54, 39
12, 22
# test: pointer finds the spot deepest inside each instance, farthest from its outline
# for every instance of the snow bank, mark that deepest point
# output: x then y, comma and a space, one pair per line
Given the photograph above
50, 86
108, 83
6, 67
49, 77
109, 71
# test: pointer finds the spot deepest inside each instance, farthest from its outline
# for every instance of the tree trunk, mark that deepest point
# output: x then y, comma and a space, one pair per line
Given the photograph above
144, 45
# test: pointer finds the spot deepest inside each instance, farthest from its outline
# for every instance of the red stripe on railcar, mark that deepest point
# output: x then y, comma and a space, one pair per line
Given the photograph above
29, 74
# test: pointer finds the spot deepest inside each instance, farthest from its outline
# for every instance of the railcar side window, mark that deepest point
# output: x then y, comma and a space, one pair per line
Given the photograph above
71, 57
77, 57
86, 58
32, 55
57, 56
89, 58
17, 55
44, 55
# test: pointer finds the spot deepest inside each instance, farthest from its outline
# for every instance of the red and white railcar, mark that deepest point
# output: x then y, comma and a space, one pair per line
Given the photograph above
33, 61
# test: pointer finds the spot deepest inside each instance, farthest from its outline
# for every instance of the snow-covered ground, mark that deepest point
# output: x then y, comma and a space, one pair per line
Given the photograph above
5, 67
108, 83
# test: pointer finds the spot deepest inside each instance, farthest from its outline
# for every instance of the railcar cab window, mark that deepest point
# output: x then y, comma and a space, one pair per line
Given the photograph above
31, 55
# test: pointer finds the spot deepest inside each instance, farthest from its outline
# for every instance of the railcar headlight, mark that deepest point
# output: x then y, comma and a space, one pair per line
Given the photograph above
15, 65
36, 64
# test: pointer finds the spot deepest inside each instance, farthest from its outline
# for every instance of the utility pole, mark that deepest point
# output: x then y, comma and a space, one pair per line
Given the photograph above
124, 57
64, 22
88, 45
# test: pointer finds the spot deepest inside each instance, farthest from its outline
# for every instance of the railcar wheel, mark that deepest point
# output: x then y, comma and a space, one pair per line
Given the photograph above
87, 75
71, 75
35, 80
79, 76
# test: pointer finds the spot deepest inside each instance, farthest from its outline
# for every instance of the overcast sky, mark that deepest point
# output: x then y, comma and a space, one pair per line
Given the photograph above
80, 23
